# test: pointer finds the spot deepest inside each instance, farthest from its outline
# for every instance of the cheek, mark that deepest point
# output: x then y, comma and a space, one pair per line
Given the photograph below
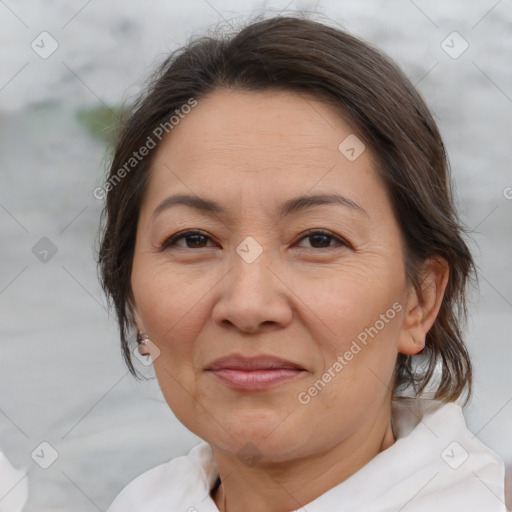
171, 308
169, 303
349, 298
354, 317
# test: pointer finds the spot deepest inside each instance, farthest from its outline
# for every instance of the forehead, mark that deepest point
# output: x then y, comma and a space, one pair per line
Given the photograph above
262, 145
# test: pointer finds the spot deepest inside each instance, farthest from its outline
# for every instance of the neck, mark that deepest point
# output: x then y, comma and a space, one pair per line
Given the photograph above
291, 485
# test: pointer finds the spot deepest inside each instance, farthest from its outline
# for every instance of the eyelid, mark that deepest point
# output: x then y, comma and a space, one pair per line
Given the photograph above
326, 232
170, 241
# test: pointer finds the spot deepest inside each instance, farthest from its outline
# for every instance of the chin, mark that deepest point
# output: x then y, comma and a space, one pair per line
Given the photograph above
270, 440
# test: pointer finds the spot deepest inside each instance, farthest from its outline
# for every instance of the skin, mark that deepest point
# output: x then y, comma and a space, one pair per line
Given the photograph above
301, 299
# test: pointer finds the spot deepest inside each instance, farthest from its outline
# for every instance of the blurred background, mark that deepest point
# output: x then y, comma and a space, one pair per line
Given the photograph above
65, 68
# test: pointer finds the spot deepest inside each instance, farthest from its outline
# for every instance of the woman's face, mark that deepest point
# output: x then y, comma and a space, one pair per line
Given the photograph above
279, 323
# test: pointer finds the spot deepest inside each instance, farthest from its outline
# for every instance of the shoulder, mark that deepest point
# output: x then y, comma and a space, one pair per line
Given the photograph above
13, 486
454, 462
142, 488
183, 480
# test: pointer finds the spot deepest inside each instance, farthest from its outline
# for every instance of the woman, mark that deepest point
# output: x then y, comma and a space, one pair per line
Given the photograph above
281, 238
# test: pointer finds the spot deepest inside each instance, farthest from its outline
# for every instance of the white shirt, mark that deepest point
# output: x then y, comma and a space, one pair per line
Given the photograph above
436, 464
13, 487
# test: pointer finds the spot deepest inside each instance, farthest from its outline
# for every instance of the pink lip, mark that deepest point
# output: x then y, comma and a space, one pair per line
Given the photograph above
254, 372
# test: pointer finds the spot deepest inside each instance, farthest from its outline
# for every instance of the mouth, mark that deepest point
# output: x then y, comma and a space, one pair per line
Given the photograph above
254, 373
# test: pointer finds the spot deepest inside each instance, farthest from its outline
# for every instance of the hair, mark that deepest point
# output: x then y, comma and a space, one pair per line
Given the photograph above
371, 93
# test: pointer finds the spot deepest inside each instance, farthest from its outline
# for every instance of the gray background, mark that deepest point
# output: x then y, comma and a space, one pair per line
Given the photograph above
62, 379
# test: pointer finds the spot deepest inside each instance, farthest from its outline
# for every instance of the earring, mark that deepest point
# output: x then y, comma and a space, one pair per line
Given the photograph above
142, 340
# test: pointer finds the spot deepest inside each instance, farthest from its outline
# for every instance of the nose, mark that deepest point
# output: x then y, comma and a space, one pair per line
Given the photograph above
252, 297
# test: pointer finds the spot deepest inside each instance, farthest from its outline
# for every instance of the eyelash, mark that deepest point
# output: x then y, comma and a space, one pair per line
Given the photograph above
185, 234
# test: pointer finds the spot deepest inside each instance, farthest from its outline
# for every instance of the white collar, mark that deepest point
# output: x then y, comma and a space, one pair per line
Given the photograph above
435, 464
13, 486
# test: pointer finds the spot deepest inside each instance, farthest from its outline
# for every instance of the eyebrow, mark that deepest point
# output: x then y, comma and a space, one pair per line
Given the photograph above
294, 205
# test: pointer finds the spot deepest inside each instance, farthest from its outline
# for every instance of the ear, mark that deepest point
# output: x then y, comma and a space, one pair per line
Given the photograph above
422, 308
136, 316
144, 348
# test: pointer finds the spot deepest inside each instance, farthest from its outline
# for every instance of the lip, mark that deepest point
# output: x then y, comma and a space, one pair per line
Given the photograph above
254, 373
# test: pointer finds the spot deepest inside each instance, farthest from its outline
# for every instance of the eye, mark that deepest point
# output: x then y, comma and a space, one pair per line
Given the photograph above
321, 239
193, 239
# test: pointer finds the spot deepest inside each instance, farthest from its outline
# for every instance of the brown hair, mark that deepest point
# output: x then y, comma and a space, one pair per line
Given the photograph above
371, 93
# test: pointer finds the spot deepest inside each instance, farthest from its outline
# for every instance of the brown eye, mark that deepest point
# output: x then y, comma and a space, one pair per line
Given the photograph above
192, 240
320, 239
